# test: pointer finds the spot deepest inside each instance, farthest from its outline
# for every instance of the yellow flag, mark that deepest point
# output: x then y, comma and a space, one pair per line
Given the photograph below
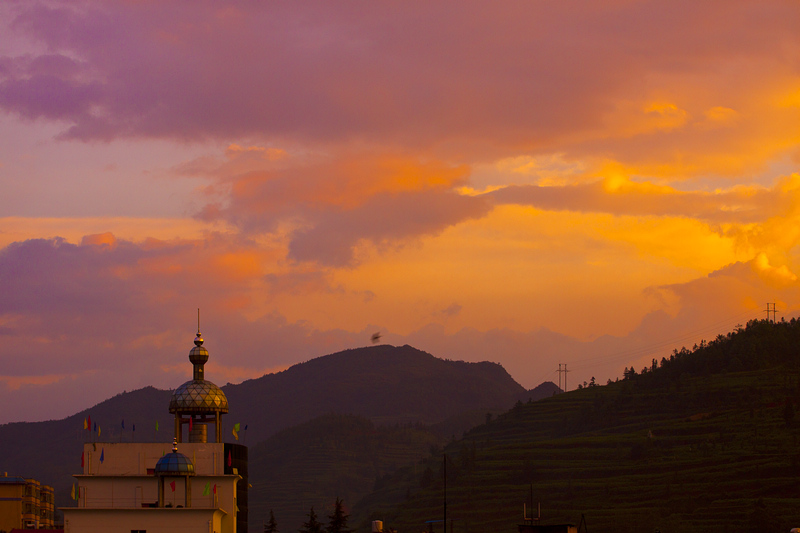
85, 424
235, 435
72, 492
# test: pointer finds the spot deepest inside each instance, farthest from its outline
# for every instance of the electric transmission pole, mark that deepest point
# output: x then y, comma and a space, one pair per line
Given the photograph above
564, 371
771, 310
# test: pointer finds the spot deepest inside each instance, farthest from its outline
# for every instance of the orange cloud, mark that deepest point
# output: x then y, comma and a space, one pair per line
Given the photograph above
103, 239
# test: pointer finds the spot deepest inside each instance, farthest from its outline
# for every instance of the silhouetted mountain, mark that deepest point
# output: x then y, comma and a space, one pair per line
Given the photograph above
343, 455
543, 390
387, 385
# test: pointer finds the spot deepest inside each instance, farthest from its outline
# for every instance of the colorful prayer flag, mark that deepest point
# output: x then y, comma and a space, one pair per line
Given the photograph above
235, 435
102, 455
191, 424
98, 432
95, 426
156, 425
207, 490
123, 423
72, 492
172, 485
215, 488
134, 427
82, 459
236, 426
245, 427
85, 424
89, 422
229, 458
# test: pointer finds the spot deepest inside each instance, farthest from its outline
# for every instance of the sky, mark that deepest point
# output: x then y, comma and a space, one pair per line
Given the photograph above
591, 184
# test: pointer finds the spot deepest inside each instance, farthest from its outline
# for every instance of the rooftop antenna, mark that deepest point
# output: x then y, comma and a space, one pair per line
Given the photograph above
198, 320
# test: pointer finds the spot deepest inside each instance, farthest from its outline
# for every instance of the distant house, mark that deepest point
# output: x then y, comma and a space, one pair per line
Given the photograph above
25, 504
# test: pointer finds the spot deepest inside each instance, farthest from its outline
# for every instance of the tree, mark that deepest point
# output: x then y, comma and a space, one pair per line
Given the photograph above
272, 525
338, 520
312, 526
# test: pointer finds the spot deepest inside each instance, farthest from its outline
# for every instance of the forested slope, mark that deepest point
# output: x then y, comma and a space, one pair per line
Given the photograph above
704, 440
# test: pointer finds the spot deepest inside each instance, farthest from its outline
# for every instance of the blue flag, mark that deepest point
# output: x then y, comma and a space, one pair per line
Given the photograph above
123, 423
134, 427
245, 427
102, 455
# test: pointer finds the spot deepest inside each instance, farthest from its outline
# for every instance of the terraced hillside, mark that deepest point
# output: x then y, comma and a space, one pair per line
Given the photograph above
706, 440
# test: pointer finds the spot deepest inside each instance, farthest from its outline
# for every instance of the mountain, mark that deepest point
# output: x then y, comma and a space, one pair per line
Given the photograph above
332, 456
702, 440
387, 385
384, 383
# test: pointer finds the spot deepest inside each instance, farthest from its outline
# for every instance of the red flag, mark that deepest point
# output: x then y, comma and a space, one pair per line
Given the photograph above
229, 458
89, 422
191, 425
215, 488
172, 485
82, 459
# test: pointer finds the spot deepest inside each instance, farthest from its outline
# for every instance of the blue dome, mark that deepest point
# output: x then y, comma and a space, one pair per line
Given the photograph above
174, 464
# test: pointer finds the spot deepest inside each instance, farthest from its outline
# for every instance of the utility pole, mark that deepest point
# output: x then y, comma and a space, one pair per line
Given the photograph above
771, 310
444, 471
564, 370
559, 377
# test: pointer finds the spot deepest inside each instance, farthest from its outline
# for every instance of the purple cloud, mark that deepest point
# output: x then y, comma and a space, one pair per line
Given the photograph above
507, 76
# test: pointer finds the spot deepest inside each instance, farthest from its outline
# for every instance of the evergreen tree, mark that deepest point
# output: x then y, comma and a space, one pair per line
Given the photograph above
312, 526
338, 520
272, 525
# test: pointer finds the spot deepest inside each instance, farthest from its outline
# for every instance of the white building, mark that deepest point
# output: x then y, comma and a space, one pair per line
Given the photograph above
167, 487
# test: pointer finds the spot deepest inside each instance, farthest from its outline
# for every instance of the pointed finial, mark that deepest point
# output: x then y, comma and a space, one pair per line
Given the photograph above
198, 341
175, 445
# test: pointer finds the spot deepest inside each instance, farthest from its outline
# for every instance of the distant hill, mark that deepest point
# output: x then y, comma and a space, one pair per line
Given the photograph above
387, 385
332, 456
701, 440
384, 383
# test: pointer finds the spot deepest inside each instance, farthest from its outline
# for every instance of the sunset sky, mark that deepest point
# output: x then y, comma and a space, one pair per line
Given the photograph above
530, 183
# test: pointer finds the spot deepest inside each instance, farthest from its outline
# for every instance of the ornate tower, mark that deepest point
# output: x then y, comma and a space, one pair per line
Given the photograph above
198, 402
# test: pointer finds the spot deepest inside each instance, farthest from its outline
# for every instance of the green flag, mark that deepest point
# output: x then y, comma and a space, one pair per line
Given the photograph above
207, 490
236, 426
156, 425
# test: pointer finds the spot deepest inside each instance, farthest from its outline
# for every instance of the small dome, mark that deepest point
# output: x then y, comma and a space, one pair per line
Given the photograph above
199, 354
174, 464
198, 396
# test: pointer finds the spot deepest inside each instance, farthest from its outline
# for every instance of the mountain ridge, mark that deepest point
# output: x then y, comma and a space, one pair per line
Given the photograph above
385, 384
